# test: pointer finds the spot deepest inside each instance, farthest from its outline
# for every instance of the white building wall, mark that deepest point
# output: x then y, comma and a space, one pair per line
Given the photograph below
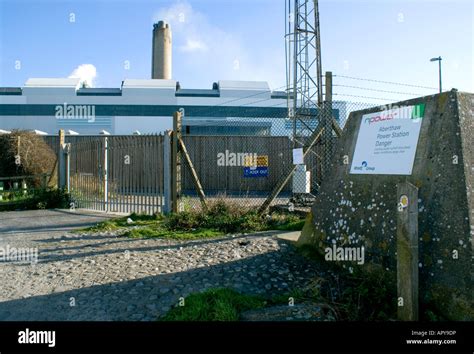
134, 92
44, 123
146, 125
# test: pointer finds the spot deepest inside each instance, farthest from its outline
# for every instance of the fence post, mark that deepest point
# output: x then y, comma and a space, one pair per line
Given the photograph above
68, 166
1, 190
44, 181
18, 148
175, 163
194, 175
328, 93
61, 160
328, 98
327, 123
407, 252
106, 177
167, 172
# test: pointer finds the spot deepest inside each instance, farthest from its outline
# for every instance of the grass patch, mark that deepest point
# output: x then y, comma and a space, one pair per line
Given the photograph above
35, 199
291, 226
119, 223
214, 305
221, 218
223, 304
179, 235
108, 225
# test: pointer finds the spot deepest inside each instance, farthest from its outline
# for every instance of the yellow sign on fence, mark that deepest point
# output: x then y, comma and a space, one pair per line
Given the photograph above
256, 161
262, 160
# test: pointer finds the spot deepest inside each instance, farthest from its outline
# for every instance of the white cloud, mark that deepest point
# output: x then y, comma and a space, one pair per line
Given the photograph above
204, 52
86, 72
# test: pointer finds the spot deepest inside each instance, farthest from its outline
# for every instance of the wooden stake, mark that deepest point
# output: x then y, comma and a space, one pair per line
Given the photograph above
407, 252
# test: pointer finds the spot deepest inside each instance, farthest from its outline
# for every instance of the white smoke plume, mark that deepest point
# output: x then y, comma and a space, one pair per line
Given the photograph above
87, 73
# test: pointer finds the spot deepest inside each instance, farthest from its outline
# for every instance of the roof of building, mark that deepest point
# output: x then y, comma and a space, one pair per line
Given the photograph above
53, 82
227, 88
243, 85
149, 83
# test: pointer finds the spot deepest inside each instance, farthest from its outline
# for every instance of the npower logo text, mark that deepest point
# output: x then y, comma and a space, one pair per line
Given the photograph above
409, 112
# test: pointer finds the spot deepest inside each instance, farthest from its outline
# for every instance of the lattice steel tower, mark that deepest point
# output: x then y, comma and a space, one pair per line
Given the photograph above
303, 73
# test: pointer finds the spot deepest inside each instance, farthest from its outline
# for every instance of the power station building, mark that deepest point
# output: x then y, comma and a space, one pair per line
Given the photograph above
146, 106
140, 105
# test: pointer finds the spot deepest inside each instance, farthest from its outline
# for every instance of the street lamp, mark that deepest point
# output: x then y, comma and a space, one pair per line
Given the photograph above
438, 59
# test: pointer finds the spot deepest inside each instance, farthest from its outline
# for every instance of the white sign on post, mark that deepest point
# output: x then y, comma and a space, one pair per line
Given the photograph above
298, 156
387, 141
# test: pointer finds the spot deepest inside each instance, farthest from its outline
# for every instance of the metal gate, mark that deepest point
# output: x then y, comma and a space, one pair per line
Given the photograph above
117, 173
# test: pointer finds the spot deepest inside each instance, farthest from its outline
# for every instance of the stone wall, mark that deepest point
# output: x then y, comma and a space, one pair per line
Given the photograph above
355, 210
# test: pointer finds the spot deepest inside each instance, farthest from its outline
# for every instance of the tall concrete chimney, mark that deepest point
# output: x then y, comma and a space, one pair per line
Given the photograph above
161, 56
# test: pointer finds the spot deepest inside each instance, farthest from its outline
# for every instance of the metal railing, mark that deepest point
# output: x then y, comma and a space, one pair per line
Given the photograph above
15, 189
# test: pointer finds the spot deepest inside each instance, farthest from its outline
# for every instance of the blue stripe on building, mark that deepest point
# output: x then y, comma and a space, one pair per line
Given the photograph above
150, 110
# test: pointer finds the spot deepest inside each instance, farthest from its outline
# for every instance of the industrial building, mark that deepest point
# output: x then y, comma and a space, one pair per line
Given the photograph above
146, 106
139, 105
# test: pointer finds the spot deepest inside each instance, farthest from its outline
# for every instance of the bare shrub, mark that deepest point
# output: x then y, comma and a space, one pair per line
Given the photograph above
25, 153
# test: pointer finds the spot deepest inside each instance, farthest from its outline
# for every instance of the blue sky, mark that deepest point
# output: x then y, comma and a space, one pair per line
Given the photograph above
239, 39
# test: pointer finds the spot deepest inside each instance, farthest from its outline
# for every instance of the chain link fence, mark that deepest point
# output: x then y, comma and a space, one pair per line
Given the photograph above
247, 160
253, 152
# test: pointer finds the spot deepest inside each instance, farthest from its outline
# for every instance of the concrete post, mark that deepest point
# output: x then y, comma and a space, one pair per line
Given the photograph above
407, 252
